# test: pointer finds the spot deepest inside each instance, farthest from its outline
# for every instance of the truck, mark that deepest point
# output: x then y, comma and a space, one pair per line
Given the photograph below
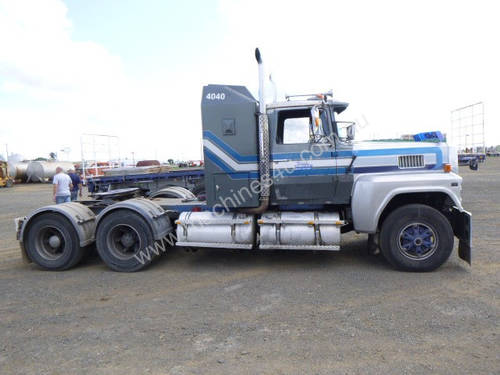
280, 175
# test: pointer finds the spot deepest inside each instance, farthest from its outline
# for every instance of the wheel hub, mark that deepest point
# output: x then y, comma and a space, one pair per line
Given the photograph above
54, 241
50, 242
127, 240
417, 241
123, 241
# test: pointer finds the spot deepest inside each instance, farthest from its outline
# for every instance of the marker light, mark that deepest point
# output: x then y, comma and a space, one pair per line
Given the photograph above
447, 168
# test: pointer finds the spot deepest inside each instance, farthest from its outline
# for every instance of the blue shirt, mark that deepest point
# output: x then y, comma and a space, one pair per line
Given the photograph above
75, 180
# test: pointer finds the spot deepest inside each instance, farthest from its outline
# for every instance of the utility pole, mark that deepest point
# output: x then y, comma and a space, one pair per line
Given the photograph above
83, 160
7, 152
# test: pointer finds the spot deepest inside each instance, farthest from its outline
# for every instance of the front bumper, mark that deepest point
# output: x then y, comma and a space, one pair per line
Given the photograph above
462, 228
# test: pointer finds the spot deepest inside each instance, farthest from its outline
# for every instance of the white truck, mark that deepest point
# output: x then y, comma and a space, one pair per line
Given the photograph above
281, 175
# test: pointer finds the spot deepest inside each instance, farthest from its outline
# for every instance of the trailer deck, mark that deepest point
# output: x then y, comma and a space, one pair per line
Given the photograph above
188, 178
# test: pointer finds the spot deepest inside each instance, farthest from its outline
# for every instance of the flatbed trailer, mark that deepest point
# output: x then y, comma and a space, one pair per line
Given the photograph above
465, 158
189, 178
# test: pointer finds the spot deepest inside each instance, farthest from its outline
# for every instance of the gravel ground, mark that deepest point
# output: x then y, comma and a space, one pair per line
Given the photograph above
215, 312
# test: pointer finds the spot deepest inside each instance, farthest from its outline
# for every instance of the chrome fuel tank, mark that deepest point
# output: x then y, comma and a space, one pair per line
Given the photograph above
300, 230
214, 229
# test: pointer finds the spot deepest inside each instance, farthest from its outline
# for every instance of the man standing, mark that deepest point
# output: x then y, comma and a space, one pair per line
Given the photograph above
77, 185
62, 186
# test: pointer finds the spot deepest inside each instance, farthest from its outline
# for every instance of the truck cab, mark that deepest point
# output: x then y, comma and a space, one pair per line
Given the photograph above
304, 143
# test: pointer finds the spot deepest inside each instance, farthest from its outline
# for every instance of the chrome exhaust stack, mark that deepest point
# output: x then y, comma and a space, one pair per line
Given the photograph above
264, 158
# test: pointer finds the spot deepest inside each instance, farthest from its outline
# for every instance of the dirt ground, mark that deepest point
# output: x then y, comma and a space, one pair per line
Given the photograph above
216, 312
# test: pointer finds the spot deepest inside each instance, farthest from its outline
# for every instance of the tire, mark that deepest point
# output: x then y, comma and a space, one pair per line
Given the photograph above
416, 238
123, 239
52, 242
473, 164
9, 183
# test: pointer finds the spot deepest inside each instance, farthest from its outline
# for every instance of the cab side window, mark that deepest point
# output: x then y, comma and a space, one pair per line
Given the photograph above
294, 127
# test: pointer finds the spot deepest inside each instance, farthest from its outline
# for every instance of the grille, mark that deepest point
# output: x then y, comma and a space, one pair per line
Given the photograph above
411, 161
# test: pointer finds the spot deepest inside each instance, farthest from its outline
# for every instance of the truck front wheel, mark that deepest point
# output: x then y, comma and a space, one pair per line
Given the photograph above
417, 238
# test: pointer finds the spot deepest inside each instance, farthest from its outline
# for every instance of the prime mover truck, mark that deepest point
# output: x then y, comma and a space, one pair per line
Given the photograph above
279, 175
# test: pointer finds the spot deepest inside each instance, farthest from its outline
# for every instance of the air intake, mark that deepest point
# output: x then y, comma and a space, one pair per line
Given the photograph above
411, 161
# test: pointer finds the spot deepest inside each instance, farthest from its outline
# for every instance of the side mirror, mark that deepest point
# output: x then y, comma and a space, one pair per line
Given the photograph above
351, 132
316, 119
316, 129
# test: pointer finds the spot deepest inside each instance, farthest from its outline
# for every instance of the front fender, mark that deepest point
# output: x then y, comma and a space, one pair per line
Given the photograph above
371, 193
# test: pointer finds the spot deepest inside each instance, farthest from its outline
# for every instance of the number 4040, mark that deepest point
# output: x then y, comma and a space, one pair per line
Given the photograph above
216, 96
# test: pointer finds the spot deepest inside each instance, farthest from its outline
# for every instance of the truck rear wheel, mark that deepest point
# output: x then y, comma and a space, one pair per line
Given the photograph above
52, 242
417, 238
124, 241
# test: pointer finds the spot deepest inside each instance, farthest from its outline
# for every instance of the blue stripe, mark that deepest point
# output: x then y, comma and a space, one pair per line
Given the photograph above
275, 172
228, 149
226, 168
397, 151
389, 168
305, 172
388, 151
307, 155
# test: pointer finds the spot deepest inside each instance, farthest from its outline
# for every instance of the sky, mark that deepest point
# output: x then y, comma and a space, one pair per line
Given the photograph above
135, 69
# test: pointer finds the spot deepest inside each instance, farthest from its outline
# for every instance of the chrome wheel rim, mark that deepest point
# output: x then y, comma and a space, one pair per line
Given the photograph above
417, 241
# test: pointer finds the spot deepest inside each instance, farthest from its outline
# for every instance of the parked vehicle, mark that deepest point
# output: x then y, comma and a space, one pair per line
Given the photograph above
281, 175
5, 179
148, 181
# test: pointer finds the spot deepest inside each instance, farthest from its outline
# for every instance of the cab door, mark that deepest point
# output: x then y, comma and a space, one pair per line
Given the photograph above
303, 166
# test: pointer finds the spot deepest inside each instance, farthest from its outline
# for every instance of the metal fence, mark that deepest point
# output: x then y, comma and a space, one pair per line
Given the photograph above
467, 128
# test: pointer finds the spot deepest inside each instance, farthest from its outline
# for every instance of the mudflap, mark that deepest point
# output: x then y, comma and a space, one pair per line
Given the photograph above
19, 222
462, 228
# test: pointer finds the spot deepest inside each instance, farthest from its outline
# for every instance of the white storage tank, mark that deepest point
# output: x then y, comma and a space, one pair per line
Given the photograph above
17, 170
42, 171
